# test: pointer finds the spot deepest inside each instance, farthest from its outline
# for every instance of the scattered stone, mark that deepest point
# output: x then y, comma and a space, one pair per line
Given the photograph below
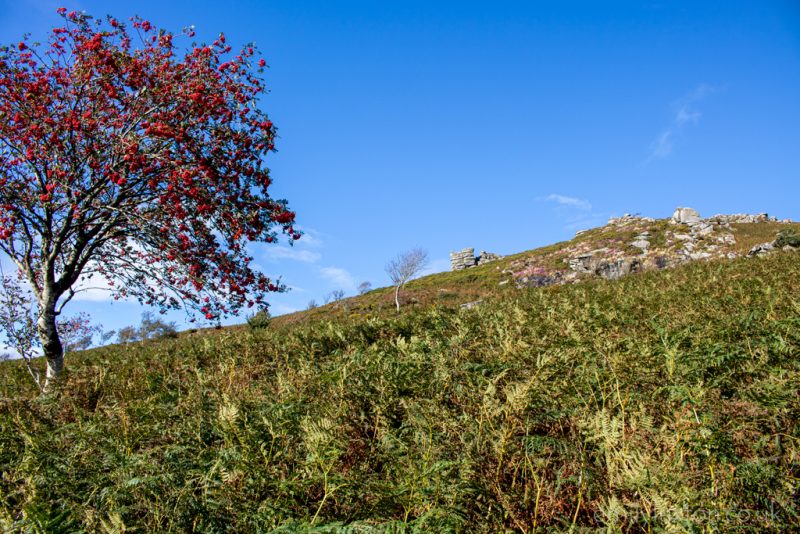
486, 257
761, 250
539, 280
470, 305
702, 229
788, 248
691, 239
743, 218
627, 219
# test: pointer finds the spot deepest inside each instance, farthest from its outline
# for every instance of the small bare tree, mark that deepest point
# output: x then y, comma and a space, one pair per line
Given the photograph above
405, 267
364, 288
19, 327
18, 323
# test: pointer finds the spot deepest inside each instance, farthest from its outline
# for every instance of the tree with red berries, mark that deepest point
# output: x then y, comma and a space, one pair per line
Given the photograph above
125, 157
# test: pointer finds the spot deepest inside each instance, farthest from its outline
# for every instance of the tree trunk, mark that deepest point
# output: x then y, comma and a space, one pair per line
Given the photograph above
397, 297
51, 344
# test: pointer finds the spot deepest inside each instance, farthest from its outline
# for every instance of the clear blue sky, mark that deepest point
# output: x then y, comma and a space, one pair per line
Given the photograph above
498, 125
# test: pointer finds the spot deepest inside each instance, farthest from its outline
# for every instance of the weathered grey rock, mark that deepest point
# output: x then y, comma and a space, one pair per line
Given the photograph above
683, 237
761, 250
788, 248
726, 239
694, 256
738, 218
628, 218
581, 264
539, 280
466, 258
462, 259
656, 262
614, 270
486, 257
470, 305
685, 216
642, 244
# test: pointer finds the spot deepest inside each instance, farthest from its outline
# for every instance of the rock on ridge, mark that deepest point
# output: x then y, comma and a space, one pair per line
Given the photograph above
647, 245
465, 258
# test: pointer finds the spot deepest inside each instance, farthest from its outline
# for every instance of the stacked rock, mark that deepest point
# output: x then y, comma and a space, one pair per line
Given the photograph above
466, 258
463, 259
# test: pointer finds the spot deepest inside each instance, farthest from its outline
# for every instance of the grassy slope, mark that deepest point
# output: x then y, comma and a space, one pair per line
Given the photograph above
665, 400
458, 287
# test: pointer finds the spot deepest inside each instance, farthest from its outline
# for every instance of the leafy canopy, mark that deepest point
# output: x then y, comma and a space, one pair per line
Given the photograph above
125, 157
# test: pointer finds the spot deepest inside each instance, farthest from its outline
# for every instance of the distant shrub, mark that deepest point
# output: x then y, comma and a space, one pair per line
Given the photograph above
149, 328
259, 320
787, 237
364, 288
127, 334
312, 304
153, 328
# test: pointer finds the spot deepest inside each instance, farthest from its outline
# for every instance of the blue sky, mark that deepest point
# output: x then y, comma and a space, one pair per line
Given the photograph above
502, 126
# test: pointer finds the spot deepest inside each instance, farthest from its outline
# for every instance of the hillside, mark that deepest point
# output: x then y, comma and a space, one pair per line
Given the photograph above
664, 400
610, 251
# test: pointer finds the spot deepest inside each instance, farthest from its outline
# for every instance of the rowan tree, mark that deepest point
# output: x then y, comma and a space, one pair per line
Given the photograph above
128, 157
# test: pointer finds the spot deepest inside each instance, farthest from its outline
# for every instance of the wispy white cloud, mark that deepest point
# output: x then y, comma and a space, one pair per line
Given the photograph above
312, 237
339, 277
292, 253
686, 113
585, 221
297, 289
573, 212
572, 202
